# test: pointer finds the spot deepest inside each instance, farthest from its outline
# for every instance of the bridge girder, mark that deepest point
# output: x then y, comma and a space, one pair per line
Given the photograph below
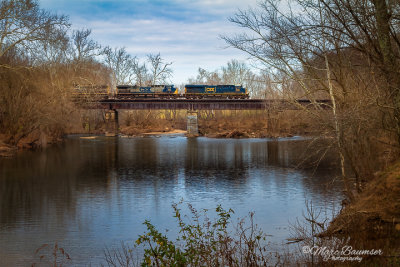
199, 104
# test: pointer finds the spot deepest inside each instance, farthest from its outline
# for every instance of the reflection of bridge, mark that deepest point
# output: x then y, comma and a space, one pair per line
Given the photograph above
201, 104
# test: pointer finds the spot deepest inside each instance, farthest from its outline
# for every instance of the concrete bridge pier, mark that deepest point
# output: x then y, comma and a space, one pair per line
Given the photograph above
192, 124
112, 126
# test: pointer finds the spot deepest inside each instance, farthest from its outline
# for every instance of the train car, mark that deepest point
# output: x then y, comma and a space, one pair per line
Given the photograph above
154, 91
215, 91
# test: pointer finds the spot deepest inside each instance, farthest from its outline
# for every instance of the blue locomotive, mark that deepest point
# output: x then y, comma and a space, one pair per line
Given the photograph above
215, 91
155, 91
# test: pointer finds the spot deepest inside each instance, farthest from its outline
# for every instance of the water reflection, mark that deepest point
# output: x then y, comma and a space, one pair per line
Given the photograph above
88, 194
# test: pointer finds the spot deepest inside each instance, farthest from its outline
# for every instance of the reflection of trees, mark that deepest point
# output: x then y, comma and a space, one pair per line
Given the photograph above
52, 182
316, 180
279, 159
299, 153
213, 164
273, 153
48, 182
149, 168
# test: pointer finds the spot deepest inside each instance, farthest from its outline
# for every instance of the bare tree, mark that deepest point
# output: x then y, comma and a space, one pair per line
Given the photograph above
141, 73
202, 76
235, 72
51, 50
122, 65
84, 48
159, 70
22, 23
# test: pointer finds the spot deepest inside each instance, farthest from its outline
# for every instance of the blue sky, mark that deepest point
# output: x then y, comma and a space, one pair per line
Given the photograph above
185, 32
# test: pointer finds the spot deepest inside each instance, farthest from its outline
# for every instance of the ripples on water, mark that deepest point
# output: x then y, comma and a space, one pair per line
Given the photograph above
89, 194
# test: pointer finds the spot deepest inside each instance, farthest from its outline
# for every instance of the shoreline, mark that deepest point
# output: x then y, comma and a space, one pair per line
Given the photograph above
7, 150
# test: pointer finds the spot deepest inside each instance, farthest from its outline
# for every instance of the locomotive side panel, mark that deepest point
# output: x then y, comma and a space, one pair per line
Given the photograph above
129, 91
221, 91
195, 89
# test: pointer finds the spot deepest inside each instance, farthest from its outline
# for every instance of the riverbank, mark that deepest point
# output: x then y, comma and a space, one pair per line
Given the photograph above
372, 221
35, 139
7, 150
151, 133
213, 124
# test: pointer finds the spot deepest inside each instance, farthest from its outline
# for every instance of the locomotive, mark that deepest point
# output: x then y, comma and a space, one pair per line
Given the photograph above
215, 91
155, 91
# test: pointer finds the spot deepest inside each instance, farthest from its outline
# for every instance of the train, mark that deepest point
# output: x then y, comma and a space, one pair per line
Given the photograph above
192, 91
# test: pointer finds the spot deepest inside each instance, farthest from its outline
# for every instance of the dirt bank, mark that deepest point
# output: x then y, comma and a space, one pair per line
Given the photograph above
9, 146
171, 131
150, 130
7, 150
252, 127
373, 220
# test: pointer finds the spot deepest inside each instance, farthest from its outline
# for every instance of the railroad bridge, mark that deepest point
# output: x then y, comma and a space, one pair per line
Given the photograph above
192, 106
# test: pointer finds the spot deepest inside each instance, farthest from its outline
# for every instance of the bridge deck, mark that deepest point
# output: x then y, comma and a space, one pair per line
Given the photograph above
196, 104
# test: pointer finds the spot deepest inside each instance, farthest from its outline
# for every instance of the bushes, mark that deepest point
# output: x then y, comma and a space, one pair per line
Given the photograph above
201, 242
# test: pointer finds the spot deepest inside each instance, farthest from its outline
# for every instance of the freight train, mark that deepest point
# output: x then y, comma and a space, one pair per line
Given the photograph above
192, 91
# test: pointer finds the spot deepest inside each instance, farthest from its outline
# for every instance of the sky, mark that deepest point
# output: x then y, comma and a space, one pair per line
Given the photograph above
185, 32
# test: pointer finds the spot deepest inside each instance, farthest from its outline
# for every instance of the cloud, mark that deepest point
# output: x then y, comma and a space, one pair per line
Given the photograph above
184, 32
188, 45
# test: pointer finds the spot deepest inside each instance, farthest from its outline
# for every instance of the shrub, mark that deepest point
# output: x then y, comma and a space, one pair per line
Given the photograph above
205, 242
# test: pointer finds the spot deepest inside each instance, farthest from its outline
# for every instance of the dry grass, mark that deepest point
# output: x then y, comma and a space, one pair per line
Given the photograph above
249, 123
372, 221
218, 123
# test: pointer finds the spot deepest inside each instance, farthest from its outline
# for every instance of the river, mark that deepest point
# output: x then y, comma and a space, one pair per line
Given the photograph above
91, 194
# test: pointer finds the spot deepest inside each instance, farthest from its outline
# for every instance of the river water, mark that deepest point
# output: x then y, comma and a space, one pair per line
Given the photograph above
92, 194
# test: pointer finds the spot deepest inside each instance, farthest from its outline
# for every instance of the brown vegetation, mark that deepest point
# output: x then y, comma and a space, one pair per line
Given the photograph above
39, 63
219, 123
372, 221
259, 124
139, 122
377, 206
